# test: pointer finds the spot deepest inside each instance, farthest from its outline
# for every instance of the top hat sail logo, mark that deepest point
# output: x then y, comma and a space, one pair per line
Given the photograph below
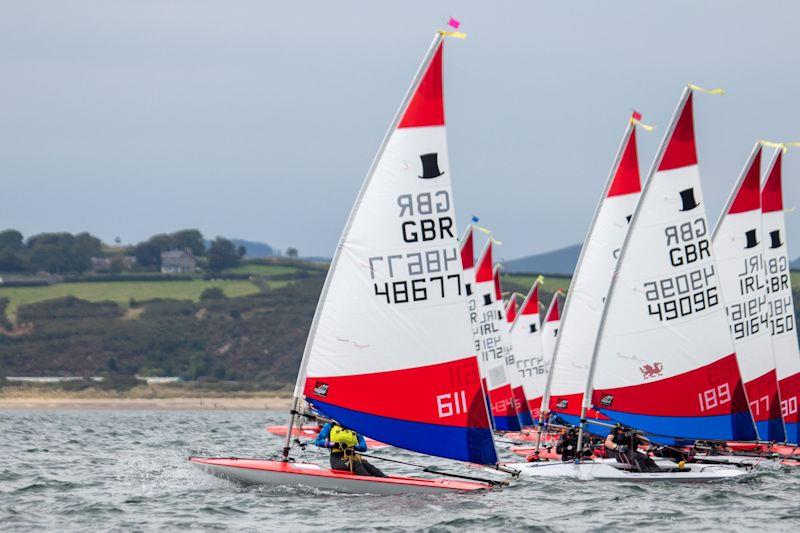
775, 239
430, 166
687, 199
752, 241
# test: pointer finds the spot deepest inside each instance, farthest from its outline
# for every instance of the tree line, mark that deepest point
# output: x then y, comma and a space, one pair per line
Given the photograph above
65, 253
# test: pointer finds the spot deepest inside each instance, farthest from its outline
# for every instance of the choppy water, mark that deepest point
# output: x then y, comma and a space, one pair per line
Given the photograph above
127, 470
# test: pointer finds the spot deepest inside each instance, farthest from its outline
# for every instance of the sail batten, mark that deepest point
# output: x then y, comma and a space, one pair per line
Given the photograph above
389, 352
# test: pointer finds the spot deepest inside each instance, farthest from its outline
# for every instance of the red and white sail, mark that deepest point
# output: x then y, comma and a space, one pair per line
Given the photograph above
511, 310
389, 353
782, 320
526, 337
665, 361
514, 378
550, 328
490, 333
583, 307
739, 252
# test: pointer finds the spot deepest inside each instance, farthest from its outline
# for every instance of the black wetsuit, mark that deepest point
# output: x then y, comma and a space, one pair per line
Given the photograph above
360, 467
631, 455
567, 445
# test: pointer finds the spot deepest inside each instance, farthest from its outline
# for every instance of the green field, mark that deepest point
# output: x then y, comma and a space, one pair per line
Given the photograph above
122, 291
262, 270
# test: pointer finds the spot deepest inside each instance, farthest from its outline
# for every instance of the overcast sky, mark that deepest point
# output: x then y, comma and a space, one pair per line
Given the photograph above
258, 119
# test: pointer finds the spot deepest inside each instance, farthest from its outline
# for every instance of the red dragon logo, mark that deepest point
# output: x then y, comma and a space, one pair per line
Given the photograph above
651, 371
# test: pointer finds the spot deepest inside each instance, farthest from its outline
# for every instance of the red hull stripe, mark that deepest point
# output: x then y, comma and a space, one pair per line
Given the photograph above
712, 390
748, 197
681, 150
427, 105
447, 394
772, 195
626, 178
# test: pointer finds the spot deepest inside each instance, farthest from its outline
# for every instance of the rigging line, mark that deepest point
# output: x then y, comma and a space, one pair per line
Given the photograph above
435, 470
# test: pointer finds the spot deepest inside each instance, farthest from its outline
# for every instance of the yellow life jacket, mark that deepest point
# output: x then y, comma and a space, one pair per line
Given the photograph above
345, 437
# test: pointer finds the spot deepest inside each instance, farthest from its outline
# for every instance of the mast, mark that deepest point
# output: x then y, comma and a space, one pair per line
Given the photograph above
687, 92
301, 374
630, 130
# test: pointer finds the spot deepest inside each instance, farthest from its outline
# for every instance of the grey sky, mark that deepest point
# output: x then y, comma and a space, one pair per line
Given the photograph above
259, 119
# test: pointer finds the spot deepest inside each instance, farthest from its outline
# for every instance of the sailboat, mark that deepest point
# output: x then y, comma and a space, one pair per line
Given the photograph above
514, 378
515, 369
526, 336
550, 328
739, 250
490, 336
664, 361
583, 307
782, 321
389, 353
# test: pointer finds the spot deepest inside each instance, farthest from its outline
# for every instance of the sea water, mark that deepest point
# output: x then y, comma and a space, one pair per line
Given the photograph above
127, 471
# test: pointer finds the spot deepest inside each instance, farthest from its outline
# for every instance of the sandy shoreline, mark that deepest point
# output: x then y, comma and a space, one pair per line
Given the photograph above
204, 403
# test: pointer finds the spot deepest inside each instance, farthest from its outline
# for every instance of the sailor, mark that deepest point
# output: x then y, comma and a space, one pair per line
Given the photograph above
567, 445
344, 443
624, 445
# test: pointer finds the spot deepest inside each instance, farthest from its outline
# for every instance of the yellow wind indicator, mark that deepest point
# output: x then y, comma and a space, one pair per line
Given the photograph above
718, 91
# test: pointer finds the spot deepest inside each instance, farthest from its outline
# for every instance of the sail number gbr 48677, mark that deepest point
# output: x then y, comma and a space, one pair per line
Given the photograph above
425, 219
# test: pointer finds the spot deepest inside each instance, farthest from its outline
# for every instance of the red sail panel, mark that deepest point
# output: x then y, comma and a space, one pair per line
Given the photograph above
427, 105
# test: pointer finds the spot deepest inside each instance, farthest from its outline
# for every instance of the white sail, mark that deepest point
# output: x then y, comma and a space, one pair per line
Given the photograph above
583, 307
526, 336
389, 352
664, 360
550, 330
490, 332
782, 320
739, 254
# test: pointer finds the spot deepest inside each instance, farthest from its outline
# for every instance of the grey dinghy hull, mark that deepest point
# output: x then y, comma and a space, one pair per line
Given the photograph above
605, 471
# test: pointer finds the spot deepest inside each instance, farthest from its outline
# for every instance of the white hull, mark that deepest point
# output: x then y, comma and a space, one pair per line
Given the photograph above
278, 473
762, 463
606, 471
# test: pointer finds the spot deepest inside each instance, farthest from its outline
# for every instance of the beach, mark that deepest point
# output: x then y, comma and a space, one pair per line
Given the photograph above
144, 397
205, 403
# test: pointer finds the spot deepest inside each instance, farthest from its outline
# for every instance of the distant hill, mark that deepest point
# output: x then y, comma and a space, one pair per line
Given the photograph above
795, 264
255, 250
561, 261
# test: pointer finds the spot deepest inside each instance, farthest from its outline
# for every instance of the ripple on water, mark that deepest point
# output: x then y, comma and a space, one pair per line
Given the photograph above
127, 470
